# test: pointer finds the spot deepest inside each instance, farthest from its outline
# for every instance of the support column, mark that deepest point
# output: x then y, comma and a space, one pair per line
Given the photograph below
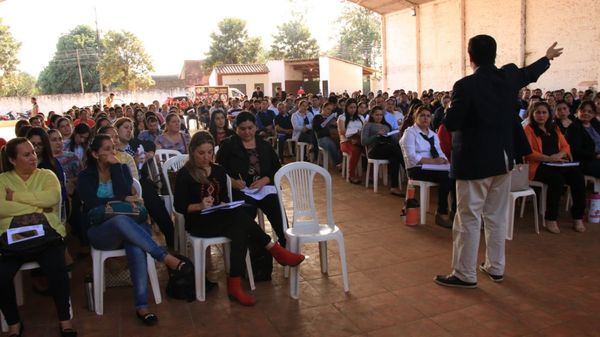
523, 35
418, 47
384, 53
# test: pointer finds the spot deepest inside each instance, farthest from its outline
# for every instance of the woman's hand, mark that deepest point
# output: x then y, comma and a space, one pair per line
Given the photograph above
207, 202
381, 132
134, 199
9, 194
238, 184
260, 183
559, 157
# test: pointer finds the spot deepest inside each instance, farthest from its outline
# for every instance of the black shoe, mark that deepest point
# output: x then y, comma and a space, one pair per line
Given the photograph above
148, 319
441, 220
495, 278
453, 281
67, 332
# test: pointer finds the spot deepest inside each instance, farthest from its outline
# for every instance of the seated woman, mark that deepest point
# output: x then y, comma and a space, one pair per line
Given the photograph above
122, 156
562, 116
584, 139
349, 126
219, 126
201, 184
380, 146
104, 180
25, 189
325, 134
302, 125
152, 129
548, 145
173, 138
251, 163
79, 141
420, 145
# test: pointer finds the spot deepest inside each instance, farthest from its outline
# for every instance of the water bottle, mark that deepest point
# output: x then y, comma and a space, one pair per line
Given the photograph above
141, 156
89, 292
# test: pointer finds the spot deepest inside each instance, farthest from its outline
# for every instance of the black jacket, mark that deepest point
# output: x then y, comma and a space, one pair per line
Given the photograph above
484, 121
582, 145
233, 157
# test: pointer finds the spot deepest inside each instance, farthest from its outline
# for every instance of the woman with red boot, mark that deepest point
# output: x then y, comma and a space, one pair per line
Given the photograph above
201, 184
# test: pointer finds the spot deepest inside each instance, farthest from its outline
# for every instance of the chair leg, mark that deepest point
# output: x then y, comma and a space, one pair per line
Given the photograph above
249, 270
294, 271
98, 272
199, 259
4, 324
153, 276
368, 173
342, 250
375, 177
535, 214
384, 173
226, 254
323, 256
511, 218
424, 195
523, 202
261, 219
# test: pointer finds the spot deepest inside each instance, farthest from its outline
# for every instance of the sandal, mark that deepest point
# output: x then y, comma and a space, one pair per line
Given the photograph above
148, 319
355, 181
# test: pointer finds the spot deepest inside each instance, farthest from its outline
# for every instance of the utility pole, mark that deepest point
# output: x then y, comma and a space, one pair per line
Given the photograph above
99, 52
79, 67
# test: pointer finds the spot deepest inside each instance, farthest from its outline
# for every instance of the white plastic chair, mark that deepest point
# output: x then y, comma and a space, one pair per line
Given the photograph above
305, 226
323, 157
511, 210
199, 246
173, 164
98, 258
160, 157
376, 163
345, 165
424, 187
300, 150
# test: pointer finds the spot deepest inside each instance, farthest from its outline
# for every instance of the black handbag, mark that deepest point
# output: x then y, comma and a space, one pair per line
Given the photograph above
28, 241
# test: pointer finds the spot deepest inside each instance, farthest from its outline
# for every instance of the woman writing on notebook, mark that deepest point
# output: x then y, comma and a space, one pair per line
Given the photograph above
201, 184
549, 150
421, 146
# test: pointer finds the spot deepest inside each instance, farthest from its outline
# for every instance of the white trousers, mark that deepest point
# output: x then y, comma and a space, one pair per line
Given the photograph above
486, 197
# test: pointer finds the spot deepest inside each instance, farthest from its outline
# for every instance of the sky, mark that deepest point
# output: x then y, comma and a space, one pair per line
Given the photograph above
171, 31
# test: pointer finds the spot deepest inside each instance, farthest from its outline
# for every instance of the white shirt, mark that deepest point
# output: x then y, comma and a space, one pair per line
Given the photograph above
415, 147
356, 124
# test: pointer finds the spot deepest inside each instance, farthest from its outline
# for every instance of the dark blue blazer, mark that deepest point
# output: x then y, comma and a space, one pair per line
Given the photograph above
484, 121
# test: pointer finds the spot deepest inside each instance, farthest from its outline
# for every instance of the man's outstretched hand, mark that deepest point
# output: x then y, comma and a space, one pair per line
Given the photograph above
553, 52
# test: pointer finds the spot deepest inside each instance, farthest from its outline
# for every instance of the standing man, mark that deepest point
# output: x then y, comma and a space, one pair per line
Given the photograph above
109, 100
35, 109
486, 138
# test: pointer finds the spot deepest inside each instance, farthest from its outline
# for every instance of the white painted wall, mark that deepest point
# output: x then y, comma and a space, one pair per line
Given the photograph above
213, 78
342, 76
573, 23
276, 74
249, 80
291, 74
62, 103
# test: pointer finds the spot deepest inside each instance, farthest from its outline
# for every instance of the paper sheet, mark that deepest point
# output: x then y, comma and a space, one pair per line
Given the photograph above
436, 167
563, 164
259, 194
229, 205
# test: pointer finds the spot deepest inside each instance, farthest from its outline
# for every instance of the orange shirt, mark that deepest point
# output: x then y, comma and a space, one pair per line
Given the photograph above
536, 149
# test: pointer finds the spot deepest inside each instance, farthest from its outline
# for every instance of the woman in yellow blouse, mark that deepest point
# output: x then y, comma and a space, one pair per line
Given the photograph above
25, 189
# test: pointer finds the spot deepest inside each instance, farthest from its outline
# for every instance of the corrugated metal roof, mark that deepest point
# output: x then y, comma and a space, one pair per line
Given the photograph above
389, 6
228, 69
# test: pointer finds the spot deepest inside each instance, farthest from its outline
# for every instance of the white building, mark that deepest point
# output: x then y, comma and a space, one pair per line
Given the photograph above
424, 42
317, 75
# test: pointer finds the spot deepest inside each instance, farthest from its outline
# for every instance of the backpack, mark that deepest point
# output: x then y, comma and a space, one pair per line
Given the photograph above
181, 287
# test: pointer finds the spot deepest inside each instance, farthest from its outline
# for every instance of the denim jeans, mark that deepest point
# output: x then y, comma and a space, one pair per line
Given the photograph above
331, 147
122, 231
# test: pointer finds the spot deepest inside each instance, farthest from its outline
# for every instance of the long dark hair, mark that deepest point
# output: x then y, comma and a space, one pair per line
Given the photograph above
383, 121
347, 115
212, 128
46, 159
549, 125
20, 123
9, 151
80, 129
95, 145
199, 138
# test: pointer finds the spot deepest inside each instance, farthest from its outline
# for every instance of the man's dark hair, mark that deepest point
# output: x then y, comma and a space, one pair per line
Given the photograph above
482, 50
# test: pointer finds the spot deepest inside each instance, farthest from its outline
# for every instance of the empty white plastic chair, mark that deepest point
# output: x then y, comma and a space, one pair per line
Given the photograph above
305, 226
376, 163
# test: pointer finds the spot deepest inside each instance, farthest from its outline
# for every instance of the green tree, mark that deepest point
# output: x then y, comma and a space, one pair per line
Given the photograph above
293, 40
124, 63
9, 47
359, 36
232, 45
18, 84
61, 75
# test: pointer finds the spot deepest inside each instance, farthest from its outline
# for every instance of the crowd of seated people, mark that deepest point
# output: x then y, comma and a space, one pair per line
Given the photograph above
89, 156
